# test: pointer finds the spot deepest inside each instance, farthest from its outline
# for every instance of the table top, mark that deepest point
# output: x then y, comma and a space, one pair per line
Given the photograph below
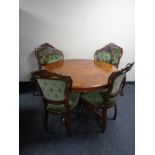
87, 75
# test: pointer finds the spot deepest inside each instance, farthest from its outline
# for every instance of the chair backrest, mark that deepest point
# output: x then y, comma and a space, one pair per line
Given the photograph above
110, 53
116, 79
47, 53
55, 88
54, 57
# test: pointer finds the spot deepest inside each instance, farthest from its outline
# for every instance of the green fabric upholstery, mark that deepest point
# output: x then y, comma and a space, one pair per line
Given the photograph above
42, 52
96, 98
115, 57
73, 101
55, 90
117, 84
110, 54
104, 56
52, 89
54, 57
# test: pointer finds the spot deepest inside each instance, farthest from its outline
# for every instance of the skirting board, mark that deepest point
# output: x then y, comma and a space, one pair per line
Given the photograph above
27, 86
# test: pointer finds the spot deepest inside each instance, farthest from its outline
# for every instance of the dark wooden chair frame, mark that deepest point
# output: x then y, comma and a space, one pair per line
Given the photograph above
103, 113
109, 48
44, 74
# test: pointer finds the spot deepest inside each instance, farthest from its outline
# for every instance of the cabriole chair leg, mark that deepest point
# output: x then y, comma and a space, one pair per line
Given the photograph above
66, 122
103, 120
46, 121
34, 87
115, 112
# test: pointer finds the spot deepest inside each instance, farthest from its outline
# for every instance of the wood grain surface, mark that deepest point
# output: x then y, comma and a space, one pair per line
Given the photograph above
87, 75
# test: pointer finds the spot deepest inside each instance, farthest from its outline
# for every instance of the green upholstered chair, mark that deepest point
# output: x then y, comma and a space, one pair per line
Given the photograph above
100, 101
57, 96
47, 53
110, 53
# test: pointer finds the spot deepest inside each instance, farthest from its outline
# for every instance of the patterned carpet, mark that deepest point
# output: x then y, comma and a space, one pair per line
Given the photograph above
118, 139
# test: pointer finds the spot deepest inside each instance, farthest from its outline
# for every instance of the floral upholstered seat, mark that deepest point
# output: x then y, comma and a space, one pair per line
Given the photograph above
46, 53
104, 100
57, 96
110, 53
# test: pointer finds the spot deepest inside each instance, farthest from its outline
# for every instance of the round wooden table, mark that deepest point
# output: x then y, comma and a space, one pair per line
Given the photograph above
87, 75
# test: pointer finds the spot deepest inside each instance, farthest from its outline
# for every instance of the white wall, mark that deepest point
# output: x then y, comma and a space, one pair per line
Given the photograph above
77, 27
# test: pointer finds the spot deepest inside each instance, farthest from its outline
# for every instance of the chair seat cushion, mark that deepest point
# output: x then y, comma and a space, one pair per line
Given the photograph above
73, 101
97, 98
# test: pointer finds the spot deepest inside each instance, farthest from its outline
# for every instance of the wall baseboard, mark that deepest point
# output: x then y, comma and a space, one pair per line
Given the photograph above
27, 86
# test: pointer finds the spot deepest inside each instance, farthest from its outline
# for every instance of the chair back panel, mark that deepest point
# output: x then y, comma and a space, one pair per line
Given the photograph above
55, 88
110, 53
52, 89
116, 55
53, 57
44, 50
104, 56
116, 79
117, 84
